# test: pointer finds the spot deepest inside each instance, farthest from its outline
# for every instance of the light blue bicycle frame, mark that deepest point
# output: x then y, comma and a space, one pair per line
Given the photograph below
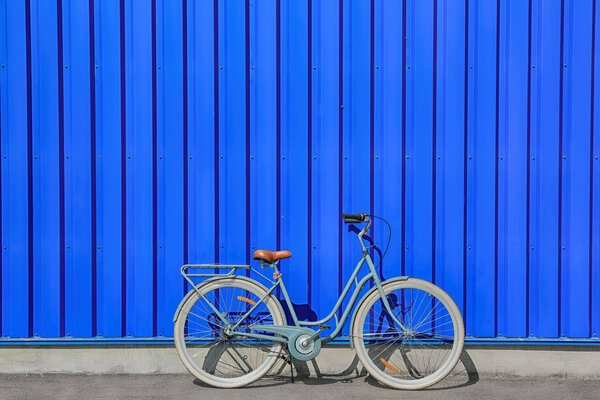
302, 325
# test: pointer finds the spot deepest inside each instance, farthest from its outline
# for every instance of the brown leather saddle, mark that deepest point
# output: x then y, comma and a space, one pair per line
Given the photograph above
271, 256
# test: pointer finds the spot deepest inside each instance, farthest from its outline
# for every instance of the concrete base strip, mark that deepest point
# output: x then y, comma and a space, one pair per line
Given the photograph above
576, 362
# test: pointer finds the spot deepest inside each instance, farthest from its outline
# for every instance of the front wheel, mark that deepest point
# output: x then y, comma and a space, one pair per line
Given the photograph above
420, 351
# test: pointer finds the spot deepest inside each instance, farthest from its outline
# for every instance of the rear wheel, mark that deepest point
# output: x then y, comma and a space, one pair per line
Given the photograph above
425, 351
207, 345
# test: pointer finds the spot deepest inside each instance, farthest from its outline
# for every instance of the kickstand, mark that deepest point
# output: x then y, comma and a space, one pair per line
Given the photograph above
292, 369
288, 359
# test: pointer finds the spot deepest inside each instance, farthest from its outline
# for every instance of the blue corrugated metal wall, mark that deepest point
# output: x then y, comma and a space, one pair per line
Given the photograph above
138, 135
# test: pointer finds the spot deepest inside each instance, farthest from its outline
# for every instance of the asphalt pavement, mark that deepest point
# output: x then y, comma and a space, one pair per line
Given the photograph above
92, 387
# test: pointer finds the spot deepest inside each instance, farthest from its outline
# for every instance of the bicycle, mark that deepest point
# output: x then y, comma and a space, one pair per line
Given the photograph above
230, 329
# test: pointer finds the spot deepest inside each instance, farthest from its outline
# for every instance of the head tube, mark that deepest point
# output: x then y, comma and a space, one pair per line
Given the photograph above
363, 232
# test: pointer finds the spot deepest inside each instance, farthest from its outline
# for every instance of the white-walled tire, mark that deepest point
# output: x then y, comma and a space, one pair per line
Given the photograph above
420, 356
211, 355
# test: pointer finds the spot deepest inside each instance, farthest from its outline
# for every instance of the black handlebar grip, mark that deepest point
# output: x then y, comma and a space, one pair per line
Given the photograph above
351, 218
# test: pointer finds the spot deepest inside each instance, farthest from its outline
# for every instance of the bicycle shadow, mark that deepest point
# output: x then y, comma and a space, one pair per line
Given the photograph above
302, 373
464, 374
303, 311
309, 373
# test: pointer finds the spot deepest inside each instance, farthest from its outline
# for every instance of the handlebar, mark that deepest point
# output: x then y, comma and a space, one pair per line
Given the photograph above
353, 218
367, 220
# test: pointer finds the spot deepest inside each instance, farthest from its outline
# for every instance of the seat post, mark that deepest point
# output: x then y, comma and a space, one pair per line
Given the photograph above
276, 273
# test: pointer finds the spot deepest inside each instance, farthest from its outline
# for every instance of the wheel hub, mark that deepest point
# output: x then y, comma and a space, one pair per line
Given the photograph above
303, 347
304, 344
227, 332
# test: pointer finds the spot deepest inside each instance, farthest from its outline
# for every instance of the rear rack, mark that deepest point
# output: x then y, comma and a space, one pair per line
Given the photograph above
215, 274
188, 276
